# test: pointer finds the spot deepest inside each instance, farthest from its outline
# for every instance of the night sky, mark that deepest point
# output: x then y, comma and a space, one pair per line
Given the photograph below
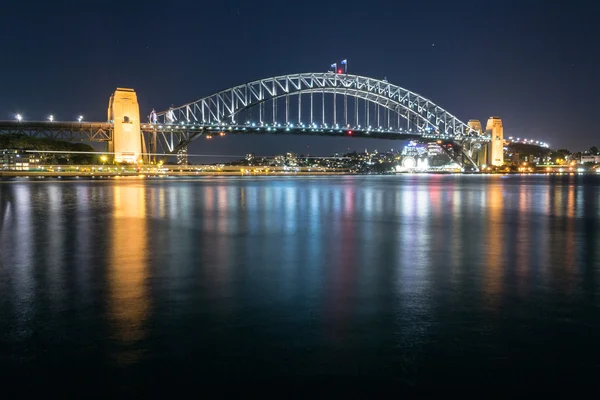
535, 64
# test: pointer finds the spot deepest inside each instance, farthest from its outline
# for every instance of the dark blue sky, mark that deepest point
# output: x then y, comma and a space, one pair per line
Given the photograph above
535, 64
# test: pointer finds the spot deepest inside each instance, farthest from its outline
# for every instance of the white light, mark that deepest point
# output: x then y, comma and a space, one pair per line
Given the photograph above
19, 117
80, 118
51, 118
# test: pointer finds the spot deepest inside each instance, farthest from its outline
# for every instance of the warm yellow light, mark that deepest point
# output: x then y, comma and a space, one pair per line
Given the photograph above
103, 158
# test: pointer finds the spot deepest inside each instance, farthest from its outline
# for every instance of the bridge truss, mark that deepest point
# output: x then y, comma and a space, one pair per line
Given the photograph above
327, 103
69, 131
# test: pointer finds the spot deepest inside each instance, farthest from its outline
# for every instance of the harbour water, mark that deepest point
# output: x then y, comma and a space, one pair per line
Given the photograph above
137, 286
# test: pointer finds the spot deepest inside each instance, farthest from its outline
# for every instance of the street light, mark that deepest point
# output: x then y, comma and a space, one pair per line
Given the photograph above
103, 159
80, 118
19, 117
51, 118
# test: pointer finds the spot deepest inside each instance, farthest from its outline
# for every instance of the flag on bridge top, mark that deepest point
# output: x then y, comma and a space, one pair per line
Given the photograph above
334, 66
345, 64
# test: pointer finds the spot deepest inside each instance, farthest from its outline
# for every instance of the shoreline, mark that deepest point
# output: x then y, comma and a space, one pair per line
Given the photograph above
12, 175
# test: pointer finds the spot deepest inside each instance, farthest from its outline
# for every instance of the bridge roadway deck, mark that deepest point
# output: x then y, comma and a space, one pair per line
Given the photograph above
173, 137
176, 133
60, 130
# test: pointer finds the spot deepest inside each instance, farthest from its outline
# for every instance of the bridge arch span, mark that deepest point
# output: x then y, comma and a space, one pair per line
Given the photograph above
229, 106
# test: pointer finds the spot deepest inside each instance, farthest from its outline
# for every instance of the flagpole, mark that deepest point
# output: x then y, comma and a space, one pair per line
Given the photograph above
346, 67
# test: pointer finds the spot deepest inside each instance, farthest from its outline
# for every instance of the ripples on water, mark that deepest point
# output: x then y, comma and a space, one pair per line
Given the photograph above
420, 281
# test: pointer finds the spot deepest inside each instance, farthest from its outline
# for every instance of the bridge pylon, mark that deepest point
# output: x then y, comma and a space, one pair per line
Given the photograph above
124, 112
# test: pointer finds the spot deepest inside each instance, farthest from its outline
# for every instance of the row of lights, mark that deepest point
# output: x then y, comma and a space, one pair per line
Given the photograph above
313, 127
19, 118
301, 125
527, 141
317, 128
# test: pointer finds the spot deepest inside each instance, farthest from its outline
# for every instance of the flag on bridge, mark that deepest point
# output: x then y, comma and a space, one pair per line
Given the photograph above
334, 66
345, 64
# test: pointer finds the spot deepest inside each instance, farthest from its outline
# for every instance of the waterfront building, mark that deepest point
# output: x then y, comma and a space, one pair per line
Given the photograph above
589, 159
19, 160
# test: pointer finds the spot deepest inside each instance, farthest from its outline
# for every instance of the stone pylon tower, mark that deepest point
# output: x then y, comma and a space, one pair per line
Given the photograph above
480, 153
496, 147
124, 112
475, 124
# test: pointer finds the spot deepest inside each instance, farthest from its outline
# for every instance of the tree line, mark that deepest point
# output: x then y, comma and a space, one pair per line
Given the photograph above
24, 142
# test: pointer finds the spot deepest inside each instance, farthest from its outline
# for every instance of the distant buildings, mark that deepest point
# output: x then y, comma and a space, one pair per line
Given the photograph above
589, 159
18, 160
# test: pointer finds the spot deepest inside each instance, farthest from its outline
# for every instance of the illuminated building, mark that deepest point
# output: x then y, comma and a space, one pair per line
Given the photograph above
19, 160
589, 159
434, 149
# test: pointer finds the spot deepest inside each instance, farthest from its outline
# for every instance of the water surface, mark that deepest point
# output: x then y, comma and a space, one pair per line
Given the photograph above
417, 282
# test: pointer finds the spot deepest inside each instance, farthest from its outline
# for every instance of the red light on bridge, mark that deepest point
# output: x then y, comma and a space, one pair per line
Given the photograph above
349, 132
339, 71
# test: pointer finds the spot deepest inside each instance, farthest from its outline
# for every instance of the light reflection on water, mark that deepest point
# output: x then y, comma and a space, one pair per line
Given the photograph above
128, 269
293, 278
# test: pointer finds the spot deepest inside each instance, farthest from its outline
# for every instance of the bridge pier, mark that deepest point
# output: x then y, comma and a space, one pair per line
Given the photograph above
496, 147
457, 152
127, 141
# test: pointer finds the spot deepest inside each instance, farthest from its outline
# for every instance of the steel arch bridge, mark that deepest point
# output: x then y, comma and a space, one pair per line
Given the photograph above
326, 103
323, 103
